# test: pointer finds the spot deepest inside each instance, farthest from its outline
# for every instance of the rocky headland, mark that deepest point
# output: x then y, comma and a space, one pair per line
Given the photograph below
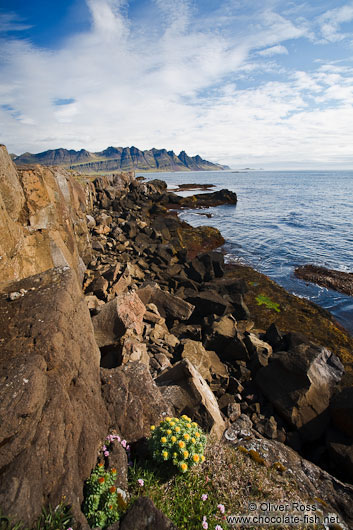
118, 159
329, 278
114, 314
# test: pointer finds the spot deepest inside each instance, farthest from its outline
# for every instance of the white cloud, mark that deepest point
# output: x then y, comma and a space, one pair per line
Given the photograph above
11, 22
331, 21
175, 85
274, 50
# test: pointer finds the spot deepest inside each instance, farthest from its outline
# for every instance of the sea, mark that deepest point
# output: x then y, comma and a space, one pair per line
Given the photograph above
282, 219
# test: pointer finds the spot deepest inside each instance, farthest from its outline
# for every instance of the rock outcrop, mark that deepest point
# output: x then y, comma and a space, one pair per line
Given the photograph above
52, 416
329, 278
300, 384
42, 221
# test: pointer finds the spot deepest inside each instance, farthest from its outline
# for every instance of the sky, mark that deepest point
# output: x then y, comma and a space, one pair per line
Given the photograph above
261, 83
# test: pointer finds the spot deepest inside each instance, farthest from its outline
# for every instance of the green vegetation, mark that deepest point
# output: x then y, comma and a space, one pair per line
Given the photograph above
59, 518
178, 440
262, 299
101, 504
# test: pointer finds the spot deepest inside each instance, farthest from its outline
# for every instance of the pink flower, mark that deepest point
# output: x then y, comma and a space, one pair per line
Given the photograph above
204, 496
128, 448
221, 508
204, 522
141, 482
218, 527
104, 447
106, 453
123, 443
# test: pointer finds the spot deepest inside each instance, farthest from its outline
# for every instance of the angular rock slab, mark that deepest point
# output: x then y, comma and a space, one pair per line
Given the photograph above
143, 515
206, 362
300, 383
116, 317
133, 400
168, 305
184, 387
52, 416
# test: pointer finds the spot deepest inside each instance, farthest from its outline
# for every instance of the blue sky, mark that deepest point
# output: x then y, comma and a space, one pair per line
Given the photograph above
263, 83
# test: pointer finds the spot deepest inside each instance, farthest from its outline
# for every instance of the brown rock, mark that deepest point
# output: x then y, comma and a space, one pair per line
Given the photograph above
42, 221
133, 400
10, 187
116, 317
184, 387
300, 383
169, 306
206, 362
143, 515
52, 416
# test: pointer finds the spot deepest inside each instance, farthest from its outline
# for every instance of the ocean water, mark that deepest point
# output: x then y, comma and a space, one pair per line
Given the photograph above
283, 219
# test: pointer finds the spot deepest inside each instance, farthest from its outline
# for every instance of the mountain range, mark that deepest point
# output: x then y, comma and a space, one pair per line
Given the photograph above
118, 158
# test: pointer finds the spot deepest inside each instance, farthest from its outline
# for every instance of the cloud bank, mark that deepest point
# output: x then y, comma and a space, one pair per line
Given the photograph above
177, 78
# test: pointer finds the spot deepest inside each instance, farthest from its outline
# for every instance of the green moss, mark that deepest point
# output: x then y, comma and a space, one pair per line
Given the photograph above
262, 299
256, 457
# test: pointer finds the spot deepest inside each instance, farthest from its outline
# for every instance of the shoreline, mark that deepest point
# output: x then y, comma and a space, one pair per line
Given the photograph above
164, 328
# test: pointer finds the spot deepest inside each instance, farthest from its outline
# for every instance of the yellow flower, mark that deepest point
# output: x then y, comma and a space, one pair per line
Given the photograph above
153, 427
168, 419
184, 417
194, 424
172, 423
181, 444
173, 438
169, 431
197, 434
202, 458
188, 425
177, 429
163, 439
176, 419
175, 455
196, 458
165, 455
186, 454
193, 440
184, 466
186, 436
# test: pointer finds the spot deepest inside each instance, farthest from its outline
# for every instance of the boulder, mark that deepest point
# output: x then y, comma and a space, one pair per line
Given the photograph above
143, 515
168, 305
116, 317
221, 333
333, 494
184, 387
208, 303
300, 383
52, 416
133, 400
206, 362
259, 351
341, 410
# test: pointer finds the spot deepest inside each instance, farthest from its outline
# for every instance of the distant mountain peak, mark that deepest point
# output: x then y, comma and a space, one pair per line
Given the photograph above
118, 158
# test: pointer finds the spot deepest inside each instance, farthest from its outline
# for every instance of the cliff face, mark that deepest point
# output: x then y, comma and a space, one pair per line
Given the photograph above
42, 221
119, 158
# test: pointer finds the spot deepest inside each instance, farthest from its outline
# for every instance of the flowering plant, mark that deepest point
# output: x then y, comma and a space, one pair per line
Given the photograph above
178, 440
100, 505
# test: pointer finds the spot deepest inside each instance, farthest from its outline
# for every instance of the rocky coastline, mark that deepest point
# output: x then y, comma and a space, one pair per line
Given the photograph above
163, 326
